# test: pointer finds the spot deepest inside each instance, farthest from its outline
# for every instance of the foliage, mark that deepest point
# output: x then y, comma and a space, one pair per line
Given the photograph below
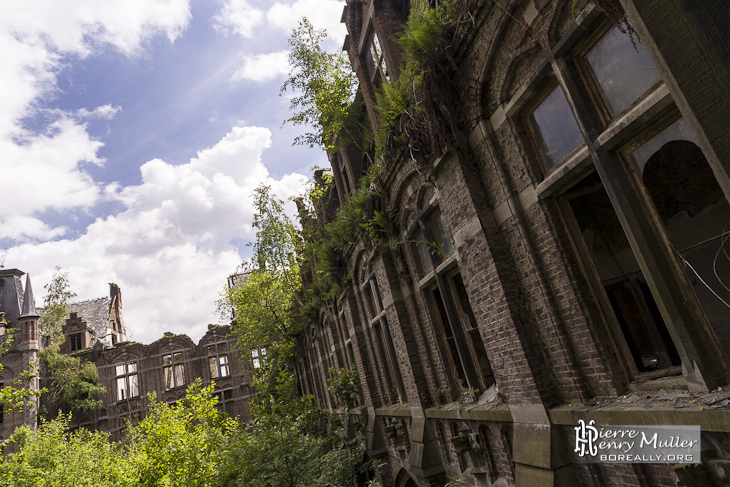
418, 112
53, 457
75, 387
183, 444
324, 89
55, 305
180, 445
263, 303
344, 385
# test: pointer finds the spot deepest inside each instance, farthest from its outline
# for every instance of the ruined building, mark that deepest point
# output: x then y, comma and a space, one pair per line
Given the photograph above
565, 258
95, 332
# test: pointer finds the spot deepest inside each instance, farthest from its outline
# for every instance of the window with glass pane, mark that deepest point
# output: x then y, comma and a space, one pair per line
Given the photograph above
127, 381
218, 360
555, 127
621, 69
172, 367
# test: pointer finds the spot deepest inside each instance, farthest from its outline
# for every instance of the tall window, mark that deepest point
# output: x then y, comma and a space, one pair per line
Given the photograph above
218, 360
225, 401
384, 338
445, 292
258, 357
173, 371
127, 381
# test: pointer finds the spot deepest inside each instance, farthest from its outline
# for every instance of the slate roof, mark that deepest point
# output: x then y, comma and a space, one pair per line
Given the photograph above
11, 295
95, 312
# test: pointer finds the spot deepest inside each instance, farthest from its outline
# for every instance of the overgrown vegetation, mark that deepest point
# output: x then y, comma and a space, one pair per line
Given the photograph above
189, 444
75, 387
325, 92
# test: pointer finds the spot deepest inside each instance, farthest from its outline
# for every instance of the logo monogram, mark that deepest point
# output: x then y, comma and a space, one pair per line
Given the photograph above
585, 438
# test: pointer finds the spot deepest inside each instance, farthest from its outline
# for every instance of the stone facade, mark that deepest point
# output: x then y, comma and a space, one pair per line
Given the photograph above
129, 371
581, 270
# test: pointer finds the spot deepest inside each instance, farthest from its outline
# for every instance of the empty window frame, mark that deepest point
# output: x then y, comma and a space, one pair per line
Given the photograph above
449, 304
218, 360
258, 357
127, 380
173, 370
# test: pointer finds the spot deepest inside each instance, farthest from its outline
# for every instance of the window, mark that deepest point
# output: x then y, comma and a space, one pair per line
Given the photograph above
74, 342
645, 212
621, 70
449, 305
384, 339
343, 173
555, 128
375, 60
127, 381
258, 356
173, 371
218, 360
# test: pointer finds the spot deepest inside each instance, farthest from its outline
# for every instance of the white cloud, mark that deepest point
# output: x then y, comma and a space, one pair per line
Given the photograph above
104, 112
323, 14
170, 249
37, 37
239, 17
263, 67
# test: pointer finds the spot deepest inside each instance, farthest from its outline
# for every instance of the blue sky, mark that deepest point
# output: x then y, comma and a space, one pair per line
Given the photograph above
131, 135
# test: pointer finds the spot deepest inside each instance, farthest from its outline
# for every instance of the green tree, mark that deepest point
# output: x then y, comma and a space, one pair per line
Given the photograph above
181, 445
263, 303
325, 92
56, 305
53, 457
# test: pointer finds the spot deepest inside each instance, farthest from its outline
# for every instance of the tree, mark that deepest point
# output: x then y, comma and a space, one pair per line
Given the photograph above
325, 92
55, 305
75, 387
181, 445
263, 303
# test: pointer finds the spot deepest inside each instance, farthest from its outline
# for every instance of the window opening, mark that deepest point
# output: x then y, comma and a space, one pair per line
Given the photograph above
376, 60
450, 306
127, 381
172, 367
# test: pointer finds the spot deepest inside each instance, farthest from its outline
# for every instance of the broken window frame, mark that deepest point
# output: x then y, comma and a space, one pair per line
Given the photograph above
607, 140
173, 370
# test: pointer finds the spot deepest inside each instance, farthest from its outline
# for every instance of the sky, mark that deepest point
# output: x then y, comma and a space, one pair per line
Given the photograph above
132, 134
